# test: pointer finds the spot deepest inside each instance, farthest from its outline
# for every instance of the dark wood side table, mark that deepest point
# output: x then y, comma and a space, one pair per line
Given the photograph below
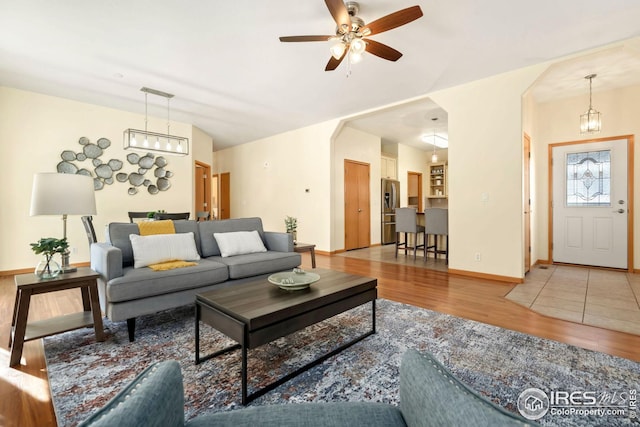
307, 247
30, 284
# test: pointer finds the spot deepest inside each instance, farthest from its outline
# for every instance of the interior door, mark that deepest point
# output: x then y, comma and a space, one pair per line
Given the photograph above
202, 187
590, 203
357, 211
224, 195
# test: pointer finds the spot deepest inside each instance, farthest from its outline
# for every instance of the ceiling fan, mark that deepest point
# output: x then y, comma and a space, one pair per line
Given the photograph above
352, 33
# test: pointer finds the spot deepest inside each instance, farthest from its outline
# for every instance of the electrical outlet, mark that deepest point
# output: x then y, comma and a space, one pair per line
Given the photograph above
478, 256
74, 250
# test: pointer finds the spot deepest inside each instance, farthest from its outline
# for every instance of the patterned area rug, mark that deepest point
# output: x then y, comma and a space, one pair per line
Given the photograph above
499, 363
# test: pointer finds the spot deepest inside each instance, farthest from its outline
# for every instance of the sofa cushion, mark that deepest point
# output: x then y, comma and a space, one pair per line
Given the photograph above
239, 243
431, 396
155, 397
143, 282
209, 246
117, 234
157, 248
241, 266
335, 414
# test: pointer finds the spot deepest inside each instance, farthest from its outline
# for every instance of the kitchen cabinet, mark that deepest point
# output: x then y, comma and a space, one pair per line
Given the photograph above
389, 167
438, 181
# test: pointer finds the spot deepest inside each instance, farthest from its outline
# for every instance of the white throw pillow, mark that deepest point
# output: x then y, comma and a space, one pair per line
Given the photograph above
239, 243
158, 248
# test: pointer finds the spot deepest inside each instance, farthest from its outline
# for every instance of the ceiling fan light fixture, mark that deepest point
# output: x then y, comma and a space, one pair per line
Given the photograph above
351, 30
358, 46
337, 48
354, 57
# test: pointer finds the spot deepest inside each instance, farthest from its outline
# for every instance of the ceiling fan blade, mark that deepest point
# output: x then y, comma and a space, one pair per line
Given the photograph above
392, 21
333, 62
340, 14
382, 50
305, 38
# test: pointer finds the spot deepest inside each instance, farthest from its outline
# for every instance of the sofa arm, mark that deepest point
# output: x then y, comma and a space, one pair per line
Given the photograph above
154, 398
278, 241
106, 260
431, 396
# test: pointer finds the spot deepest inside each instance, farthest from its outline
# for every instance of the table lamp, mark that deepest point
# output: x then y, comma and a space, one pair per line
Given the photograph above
63, 194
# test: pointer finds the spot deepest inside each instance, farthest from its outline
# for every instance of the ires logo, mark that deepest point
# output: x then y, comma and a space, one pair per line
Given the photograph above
534, 403
575, 398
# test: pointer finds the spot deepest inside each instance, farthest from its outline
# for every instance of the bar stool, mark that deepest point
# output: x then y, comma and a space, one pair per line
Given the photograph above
436, 221
407, 223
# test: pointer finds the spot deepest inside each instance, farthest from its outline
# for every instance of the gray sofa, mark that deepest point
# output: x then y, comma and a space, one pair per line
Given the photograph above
429, 396
127, 292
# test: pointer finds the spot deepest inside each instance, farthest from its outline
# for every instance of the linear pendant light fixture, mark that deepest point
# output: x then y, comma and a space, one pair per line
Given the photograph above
590, 121
144, 140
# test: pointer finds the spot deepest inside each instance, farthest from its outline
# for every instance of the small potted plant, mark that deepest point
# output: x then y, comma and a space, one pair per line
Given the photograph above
152, 214
49, 246
291, 224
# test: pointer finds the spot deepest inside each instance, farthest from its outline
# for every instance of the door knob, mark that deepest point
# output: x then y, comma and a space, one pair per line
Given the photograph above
359, 210
619, 211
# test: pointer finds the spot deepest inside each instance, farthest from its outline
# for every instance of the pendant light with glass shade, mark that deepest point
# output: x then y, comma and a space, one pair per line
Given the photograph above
590, 121
434, 156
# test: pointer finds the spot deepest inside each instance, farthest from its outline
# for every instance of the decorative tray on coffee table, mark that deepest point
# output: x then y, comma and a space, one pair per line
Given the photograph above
293, 280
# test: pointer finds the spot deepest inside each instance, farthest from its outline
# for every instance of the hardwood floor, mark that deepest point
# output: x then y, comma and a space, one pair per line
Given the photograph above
24, 391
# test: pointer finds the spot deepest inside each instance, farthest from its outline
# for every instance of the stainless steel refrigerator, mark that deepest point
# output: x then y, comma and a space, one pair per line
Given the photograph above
390, 201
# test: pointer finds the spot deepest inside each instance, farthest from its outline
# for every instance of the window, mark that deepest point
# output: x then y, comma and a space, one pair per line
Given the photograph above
589, 178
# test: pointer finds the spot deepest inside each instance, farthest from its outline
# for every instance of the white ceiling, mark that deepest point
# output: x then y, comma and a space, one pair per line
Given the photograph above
233, 79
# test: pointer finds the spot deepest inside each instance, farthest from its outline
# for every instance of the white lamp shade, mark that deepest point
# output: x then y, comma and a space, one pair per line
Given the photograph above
62, 193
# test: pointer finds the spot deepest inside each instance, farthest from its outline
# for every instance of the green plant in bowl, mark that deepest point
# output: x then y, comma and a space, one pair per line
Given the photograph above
49, 246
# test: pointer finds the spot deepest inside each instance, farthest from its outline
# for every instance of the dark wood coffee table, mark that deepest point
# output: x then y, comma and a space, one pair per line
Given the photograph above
258, 312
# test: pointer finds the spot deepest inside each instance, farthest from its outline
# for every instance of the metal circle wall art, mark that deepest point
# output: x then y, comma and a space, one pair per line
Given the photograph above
106, 173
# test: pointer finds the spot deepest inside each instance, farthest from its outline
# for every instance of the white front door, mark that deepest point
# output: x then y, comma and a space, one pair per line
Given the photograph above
590, 203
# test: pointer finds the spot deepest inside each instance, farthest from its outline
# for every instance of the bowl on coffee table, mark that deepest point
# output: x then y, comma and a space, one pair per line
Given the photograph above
293, 280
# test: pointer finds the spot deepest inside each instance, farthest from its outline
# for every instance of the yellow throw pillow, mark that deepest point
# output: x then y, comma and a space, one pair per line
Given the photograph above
165, 226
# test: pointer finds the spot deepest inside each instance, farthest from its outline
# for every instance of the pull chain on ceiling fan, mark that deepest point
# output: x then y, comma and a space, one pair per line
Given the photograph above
352, 33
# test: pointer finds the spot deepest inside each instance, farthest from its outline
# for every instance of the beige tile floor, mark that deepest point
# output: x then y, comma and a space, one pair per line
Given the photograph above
603, 298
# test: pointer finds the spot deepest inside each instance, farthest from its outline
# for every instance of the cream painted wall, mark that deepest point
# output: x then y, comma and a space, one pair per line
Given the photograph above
269, 179
353, 144
411, 159
485, 157
559, 122
269, 176
34, 130
485, 172
201, 146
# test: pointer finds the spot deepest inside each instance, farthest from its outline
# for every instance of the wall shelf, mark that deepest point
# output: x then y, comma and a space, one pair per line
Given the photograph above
438, 181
